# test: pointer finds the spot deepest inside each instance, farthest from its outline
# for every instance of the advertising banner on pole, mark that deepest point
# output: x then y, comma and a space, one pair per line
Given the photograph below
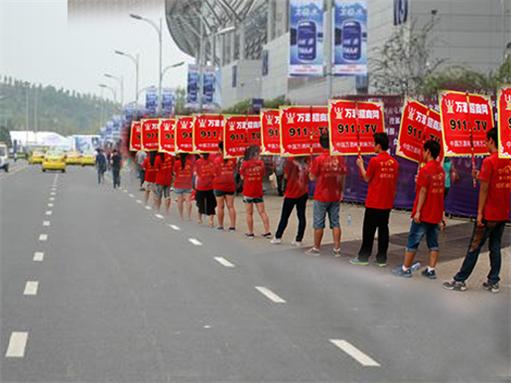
150, 129
349, 37
418, 124
504, 112
465, 120
270, 131
151, 100
167, 139
306, 48
167, 101
135, 136
208, 131
352, 126
300, 129
192, 88
208, 87
184, 134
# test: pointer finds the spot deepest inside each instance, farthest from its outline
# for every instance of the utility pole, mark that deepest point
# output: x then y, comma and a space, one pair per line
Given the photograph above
329, 49
26, 110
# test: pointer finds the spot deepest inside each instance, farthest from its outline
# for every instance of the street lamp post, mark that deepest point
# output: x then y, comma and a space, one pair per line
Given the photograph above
135, 59
159, 31
120, 80
112, 89
165, 70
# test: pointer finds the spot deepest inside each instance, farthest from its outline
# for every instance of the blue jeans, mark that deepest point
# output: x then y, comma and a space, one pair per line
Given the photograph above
320, 210
494, 231
417, 232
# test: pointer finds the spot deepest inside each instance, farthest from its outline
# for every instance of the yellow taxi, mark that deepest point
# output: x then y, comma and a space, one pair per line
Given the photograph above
88, 159
54, 160
36, 157
73, 158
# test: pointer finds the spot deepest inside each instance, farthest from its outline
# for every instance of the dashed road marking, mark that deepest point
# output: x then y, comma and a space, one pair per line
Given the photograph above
125, 191
38, 256
52, 198
159, 216
270, 294
31, 288
148, 207
43, 237
131, 195
48, 212
355, 353
138, 201
224, 262
17, 345
46, 223
53, 193
174, 227
195, 242
50, 205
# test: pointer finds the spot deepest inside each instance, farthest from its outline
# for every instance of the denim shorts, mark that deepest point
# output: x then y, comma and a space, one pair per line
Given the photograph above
321, 209
182, 191
221, 193
162, 191
417, 232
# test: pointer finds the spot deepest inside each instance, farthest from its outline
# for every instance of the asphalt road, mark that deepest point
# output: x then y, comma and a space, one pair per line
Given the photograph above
114, 293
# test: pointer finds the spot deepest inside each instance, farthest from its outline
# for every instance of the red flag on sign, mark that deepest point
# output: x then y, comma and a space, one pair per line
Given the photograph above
418, 124
207, 132
300, 128
504, 110
270, 129
150, 134
184, 134
135, 136
352, 126
167, 140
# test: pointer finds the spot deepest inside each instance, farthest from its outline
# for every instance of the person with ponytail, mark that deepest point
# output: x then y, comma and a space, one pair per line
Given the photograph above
183, 174
224, 188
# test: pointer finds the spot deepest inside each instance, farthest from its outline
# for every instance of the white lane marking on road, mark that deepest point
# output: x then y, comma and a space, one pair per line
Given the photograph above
17, 345
224, 262
31, 288
125, 191
195, 242
38, 256
131, 195
46, 223
355, 353
148, 207
174, 227
43, 237
138, 201
270, 294
159, 216
52, 198
50, 205
48, 212
53, 193
55, 179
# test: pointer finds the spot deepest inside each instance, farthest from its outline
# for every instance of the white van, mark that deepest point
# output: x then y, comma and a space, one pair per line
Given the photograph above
4, 157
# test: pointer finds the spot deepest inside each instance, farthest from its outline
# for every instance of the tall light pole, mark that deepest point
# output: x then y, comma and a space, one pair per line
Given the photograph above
170, 67
159, 31
135, 59
120, 80
112, 89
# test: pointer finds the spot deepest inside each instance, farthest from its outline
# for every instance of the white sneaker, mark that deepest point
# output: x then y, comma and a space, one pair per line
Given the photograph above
336, 252
276, 241
296, 243
313, 251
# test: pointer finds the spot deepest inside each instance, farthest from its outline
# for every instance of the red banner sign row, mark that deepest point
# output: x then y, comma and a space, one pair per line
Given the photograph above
150, 129
465, 120
352, 126
184, 134
270, 131
135, 136
167, 139
241, 132
418, 124
207, 132
300, 129
504, 111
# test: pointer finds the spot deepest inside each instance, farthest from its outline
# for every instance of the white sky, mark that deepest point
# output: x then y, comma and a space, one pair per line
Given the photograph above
39, 44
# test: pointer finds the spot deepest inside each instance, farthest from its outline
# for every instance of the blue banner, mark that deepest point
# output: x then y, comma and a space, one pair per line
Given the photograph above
167, 101
350, 38
151, 100
306, 56
192, 89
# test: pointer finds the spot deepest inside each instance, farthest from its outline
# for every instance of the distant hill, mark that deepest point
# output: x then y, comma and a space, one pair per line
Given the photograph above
59, 110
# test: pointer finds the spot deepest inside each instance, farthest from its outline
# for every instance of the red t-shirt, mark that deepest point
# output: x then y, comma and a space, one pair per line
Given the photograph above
150, 171
252, 172
382, 172
328, 171
205, 170
432, 177
497, 172
164, 169
297, 178
183, 176
224, 175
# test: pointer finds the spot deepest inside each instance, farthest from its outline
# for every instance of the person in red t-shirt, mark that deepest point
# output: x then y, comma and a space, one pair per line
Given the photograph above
163, 164
381, 175
492, 214
252, 173
204, 196
427, 213
296, 174
183, 176
149, 176
224, 188
329, 173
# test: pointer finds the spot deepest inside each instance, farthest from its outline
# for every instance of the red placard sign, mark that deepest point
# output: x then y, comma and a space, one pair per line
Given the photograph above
167, 139
418, 124
184, 134
270, 131
352, 126
504, 110
235, 136
465, 120
207, 132
300, 128
135, 136
150, 129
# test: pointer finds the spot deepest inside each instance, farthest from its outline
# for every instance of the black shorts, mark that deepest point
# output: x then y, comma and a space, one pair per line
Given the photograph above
221, 193
206, 202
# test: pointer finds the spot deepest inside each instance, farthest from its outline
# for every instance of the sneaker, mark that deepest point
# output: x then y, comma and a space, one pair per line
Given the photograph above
231, 229
399, 272
455, 285
493, 287
358, 261
250, 235
276, 241
428, 274
336, 253
380, 263
313, 251
296, 243
266, 235
220, 228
